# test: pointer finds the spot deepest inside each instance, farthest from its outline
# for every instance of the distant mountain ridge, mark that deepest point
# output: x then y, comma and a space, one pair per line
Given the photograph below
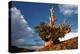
15, 49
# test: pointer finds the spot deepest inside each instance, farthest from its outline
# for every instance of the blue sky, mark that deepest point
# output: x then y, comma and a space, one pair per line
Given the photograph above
35, 13
26, 16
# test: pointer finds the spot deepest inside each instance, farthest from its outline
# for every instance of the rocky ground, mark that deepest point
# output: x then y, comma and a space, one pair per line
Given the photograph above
67, 44
64, 45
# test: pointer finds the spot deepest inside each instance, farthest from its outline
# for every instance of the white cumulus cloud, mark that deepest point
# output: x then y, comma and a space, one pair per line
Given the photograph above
67, 9
19, 26
21, 33
69, 36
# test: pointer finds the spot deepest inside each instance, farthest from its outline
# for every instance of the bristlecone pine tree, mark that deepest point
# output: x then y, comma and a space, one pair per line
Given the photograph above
50, 32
